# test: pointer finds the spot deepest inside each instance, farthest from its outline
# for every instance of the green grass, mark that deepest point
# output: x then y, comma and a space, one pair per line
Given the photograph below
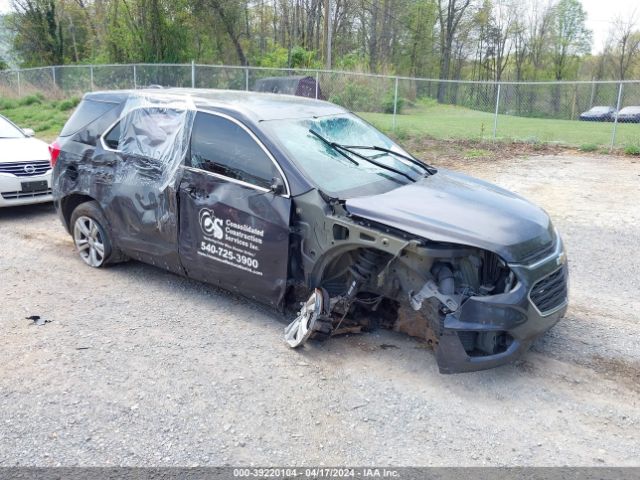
46, 117
588, 147
445, 122
476, 153
632, 150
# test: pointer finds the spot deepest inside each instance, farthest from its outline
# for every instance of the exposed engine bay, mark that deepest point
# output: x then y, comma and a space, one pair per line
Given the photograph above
368, 276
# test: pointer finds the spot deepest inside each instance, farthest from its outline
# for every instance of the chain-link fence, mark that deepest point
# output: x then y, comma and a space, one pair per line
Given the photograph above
530, 112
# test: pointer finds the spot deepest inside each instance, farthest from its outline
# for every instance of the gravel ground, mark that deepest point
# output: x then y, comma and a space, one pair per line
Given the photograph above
141, 367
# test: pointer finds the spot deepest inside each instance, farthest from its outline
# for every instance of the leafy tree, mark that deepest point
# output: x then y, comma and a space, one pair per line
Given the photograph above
570, 37
38, 33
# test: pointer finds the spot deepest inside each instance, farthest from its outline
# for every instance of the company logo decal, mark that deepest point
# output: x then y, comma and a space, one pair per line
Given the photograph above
210, 225
230, 242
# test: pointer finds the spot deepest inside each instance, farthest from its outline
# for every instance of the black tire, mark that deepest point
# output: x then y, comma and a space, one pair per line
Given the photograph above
83, 216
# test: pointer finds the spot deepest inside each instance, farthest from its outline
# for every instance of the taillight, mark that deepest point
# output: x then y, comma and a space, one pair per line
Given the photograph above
54, 152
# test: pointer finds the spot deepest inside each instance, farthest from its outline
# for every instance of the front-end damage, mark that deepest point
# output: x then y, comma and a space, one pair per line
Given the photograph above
473, 307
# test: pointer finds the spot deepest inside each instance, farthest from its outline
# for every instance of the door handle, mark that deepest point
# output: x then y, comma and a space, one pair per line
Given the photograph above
195, 192
192, 192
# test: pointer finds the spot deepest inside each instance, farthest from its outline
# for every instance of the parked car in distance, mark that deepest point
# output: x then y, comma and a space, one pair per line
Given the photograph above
599, 114
25, 171
629, 115
300, 204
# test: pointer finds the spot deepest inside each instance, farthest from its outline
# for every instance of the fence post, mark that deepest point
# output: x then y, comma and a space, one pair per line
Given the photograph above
19, 87
495, 119
193, 74
135, 77
395, 104
93, 87
615, 121
593, 93
317, 83
53, 76
246, 78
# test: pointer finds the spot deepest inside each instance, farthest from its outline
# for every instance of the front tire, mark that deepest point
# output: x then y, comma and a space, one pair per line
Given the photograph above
91, 235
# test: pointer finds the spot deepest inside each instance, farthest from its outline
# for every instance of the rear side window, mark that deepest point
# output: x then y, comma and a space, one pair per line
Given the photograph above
147, 132
112, 139
87, 112
221, 146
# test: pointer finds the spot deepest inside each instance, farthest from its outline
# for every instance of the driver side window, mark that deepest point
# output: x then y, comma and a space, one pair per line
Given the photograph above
223, 147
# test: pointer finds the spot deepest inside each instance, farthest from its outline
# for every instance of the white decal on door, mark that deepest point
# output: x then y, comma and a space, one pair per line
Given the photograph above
231, 243
211, 226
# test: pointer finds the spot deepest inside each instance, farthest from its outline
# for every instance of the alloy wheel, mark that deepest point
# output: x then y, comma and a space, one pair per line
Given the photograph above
89, 241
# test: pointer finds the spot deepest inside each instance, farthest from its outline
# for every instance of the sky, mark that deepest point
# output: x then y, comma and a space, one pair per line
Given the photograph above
600, 15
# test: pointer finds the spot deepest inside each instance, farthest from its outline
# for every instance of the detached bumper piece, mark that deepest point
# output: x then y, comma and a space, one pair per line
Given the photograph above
486, 332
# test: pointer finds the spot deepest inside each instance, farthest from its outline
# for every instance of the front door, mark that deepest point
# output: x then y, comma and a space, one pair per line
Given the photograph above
234, 225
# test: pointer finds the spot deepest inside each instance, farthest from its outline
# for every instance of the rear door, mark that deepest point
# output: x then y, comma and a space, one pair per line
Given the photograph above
234, 225
141, 199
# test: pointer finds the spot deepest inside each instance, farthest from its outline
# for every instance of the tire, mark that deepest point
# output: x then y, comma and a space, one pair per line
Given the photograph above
92, 236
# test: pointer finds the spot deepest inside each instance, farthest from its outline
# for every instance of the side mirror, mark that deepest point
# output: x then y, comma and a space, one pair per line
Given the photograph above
277, 186
29, 132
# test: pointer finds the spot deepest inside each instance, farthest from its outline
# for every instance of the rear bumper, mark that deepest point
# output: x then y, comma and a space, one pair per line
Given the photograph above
512, 314
11, 193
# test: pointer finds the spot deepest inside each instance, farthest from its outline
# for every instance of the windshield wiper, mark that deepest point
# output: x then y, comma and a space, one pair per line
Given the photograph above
341, 149
335, 146
428, 168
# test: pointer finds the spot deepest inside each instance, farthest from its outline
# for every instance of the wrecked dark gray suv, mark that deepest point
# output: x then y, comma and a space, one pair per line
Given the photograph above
301, 205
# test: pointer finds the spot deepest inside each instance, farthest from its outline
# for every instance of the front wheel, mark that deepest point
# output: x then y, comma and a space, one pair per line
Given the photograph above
91, 235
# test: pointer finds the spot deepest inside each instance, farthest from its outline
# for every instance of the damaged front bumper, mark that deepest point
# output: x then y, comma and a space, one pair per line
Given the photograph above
504, 326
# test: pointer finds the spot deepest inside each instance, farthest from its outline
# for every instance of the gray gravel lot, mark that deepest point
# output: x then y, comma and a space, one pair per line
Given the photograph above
141, 367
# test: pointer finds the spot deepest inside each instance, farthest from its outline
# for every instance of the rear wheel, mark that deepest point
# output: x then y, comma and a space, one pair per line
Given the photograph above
91, 235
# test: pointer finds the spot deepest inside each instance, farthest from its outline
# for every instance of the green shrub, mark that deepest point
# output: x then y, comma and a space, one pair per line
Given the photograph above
65, 105
43, 127
31, 100
356, 96
588, 147
388, 101
7, 103
427, 102
632, 150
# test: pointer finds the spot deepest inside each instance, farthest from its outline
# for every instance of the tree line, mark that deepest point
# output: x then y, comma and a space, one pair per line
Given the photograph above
448, 39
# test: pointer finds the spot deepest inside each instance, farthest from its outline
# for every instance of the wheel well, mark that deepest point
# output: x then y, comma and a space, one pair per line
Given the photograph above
69, 204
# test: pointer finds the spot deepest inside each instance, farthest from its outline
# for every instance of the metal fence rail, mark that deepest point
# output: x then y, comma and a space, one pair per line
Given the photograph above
524, 111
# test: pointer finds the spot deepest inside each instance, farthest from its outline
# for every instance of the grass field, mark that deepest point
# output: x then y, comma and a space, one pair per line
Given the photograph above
441, 122
45, 117
450, 122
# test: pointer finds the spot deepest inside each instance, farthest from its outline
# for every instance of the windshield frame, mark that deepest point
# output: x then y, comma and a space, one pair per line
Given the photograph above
20, 132
383, 178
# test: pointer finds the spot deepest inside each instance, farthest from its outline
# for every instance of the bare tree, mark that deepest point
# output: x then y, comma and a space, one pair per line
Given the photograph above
450, 14
625, 41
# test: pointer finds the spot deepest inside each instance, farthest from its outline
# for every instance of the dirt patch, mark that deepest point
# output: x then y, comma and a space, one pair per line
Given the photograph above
453, 152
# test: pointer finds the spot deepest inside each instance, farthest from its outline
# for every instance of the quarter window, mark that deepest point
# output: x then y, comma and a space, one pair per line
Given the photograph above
152, 133
112, 139
221, 146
